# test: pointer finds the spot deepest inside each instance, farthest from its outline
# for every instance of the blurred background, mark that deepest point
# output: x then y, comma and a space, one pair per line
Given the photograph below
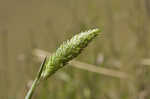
119, 58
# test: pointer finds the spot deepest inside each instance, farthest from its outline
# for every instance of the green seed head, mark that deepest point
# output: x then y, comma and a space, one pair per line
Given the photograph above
67, 51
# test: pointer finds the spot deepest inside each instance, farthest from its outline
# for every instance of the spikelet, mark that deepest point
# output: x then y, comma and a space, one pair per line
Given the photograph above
67, 51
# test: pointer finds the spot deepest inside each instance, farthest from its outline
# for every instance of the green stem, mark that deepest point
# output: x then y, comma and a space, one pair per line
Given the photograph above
35, 82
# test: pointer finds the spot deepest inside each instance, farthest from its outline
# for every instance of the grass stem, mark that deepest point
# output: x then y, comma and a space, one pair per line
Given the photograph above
36, 81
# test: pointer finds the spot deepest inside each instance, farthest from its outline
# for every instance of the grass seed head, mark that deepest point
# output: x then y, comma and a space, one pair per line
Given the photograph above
68, 50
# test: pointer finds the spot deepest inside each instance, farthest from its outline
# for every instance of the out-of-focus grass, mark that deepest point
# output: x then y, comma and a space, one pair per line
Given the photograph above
125, 43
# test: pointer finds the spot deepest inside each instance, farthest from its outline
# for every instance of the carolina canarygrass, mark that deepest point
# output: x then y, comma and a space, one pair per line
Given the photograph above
67, 51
